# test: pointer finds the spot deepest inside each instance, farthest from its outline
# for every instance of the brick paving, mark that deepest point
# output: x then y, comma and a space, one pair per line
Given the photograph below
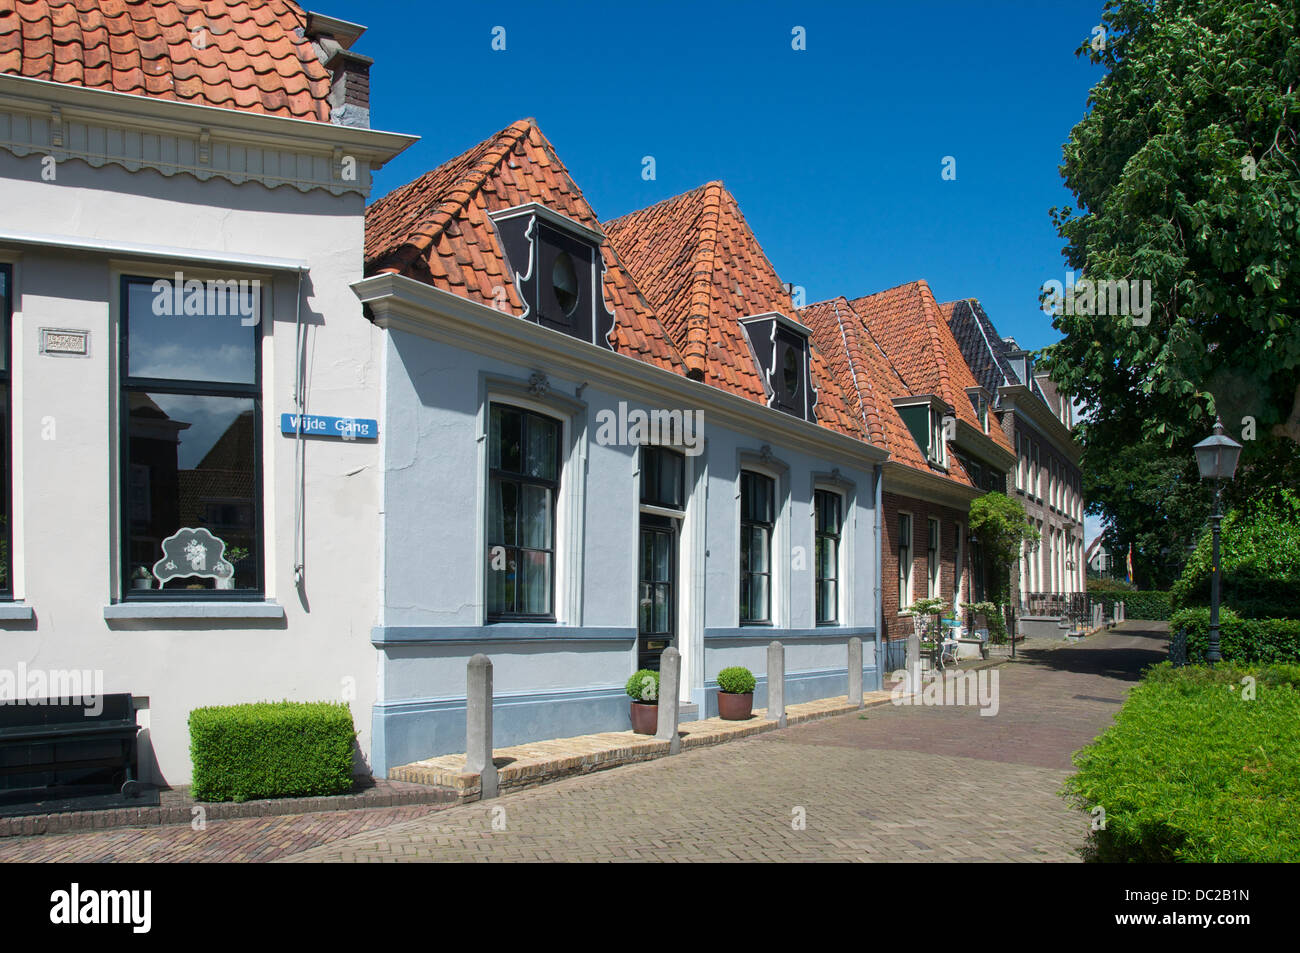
892, 783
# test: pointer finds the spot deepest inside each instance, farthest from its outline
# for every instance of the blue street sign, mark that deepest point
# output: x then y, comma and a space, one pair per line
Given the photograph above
340, 428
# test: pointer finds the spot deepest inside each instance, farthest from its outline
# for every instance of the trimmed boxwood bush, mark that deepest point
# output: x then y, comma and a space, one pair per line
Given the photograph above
1149, 604
1240, 640
640, 690
1194, 771
271, 749
736, 680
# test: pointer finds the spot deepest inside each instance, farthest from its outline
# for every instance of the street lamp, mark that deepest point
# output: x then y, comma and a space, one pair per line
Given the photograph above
1216, 458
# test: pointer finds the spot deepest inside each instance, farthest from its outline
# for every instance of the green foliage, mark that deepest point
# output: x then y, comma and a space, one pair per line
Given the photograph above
1001, 526
1260, 561
643, 686
1186, 172
997, 623
1141, 604
931, 608
1194, 771
1102, 586
736, 680
271, 749
1240, 640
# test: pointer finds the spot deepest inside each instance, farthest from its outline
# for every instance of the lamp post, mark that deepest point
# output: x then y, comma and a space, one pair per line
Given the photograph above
1216, 458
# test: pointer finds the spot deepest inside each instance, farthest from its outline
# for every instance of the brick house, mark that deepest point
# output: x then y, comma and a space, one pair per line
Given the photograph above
894, 353
1047, 480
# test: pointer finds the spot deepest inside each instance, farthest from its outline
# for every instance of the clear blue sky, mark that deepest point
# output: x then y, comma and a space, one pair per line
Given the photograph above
834, 152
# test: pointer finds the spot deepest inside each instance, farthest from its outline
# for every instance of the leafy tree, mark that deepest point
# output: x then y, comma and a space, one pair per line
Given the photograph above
1001, 526
1186, 174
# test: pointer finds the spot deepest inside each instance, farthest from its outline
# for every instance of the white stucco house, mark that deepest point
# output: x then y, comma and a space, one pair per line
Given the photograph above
183, 218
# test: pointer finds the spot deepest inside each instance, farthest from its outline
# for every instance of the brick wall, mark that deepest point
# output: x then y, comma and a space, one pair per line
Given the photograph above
895, 625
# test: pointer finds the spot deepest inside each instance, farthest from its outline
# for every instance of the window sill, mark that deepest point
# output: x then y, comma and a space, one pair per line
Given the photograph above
16, 612
194, 610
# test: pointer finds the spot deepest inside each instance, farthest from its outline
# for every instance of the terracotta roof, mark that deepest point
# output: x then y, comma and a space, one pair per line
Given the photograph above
911, 328
700, 265
250, 56
437, 230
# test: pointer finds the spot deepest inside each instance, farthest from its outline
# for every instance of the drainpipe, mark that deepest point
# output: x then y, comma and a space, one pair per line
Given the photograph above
300, 476
878, 475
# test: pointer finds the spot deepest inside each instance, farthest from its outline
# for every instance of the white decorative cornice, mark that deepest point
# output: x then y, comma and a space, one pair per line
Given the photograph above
101, 127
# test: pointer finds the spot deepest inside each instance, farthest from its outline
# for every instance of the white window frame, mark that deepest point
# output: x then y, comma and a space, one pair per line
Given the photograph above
934, 570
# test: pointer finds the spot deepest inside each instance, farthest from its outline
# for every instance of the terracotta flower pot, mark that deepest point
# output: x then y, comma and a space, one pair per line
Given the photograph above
735, 707
645, 717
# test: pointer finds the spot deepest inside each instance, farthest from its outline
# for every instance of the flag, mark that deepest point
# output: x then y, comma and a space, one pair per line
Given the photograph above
1128, 565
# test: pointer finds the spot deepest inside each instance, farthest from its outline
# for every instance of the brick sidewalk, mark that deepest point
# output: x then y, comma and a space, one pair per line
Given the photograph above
891, 783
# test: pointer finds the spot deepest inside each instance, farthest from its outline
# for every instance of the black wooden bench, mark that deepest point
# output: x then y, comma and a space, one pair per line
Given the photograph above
69, 739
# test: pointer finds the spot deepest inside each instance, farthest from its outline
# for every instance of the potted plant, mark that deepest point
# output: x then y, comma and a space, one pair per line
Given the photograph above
141, 578
735, 693
643, 689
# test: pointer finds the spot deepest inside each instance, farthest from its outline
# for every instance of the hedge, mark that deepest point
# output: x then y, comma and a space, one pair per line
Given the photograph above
1194, 770
271, 749
1240, 640
1259, 558
1151, 604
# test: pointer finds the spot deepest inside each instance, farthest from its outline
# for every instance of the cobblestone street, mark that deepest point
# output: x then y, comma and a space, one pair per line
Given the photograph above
907, 783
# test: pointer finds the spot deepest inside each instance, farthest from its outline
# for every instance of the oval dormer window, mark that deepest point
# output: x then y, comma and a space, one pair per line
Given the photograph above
790, 372
564, 279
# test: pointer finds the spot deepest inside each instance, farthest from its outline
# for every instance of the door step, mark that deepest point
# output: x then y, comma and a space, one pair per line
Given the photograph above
688, 711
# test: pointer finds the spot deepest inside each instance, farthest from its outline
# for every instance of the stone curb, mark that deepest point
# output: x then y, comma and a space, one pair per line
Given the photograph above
181, 812
586, 754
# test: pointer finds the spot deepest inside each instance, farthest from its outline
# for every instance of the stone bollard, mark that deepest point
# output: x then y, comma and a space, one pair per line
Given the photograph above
776, 683
670, 677
478, 725
914, 662
855, 672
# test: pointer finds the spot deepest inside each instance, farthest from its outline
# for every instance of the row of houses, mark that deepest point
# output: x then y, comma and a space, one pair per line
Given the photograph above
263, 441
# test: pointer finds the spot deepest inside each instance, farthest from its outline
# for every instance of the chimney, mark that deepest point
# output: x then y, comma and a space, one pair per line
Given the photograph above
349, 96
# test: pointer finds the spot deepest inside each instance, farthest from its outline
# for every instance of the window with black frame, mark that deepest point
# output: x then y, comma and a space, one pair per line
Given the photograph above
757, 521
6, 534
663, 478
191, 407
523, 482
828, 507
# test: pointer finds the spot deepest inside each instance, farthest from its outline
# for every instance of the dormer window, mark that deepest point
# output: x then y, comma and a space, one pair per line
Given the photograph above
779, 347
924, 416
558, 271
979, 401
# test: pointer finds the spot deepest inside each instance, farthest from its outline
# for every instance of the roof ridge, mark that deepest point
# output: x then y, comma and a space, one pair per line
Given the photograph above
930, 308
704, 264
458, 195
867, 418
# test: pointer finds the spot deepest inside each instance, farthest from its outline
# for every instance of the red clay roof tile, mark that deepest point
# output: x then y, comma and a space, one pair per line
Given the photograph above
703, 269
437, 229
149, 47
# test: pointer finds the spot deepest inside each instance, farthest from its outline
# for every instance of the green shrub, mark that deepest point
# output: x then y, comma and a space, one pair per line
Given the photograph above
1107, 584
1260, 562
736, 680
1194, 771
643, 686
271, 749
1240, 640
1150, 604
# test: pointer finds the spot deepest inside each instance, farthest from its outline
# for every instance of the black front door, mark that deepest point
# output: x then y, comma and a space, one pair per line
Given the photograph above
656, 590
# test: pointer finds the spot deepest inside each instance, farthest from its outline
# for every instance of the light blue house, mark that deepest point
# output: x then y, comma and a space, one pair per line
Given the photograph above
598, 442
